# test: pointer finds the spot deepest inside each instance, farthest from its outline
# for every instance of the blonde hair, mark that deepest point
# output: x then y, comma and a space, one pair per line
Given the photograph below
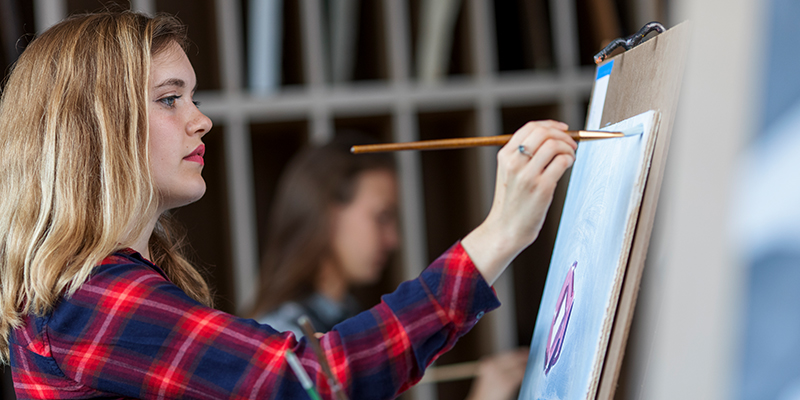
75, 179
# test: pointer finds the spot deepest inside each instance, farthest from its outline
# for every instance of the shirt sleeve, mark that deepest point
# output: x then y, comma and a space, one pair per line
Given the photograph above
131, 332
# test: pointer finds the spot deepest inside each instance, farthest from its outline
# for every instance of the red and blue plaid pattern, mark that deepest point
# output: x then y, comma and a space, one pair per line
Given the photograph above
130, 333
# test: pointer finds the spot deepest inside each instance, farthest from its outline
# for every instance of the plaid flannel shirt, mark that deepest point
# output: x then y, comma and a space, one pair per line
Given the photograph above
128, 332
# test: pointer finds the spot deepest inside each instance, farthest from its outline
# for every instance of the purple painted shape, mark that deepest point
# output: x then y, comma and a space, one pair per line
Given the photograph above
565, 298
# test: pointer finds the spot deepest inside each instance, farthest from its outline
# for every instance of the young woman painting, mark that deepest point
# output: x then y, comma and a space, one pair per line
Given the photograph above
99, 139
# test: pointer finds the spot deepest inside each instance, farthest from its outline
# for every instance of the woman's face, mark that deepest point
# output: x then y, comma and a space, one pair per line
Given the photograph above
176, 130
365, 230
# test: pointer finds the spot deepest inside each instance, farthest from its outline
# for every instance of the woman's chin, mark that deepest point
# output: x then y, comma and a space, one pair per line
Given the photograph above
187, 197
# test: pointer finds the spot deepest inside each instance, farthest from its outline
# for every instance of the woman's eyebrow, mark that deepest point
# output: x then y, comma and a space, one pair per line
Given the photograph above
180, 83
172, 82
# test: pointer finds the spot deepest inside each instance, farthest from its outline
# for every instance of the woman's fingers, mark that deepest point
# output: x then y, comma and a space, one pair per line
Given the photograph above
557, 167
540, 135
530, 128
546, 154
530, 143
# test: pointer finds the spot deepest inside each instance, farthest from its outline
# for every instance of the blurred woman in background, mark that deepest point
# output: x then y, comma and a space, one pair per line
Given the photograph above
333, 226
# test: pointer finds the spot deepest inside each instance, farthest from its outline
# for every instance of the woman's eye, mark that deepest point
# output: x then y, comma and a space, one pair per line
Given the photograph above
196, 103
169, 101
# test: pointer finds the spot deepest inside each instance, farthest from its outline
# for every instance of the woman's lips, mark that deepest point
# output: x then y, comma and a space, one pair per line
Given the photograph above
197, 155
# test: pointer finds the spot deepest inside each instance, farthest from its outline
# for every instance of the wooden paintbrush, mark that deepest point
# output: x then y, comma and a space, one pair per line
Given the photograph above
499, 140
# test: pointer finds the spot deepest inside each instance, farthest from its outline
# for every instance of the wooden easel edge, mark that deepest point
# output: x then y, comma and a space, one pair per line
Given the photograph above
623, 317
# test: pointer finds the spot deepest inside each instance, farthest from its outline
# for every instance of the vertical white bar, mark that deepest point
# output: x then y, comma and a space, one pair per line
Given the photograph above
412, 203
48, 12
343, 30
266, 33
565, 34
397, 40
437, 25
484, 54
312, 24
238, 158
230, 44
598, 100
313, 47
691, 294
145, 6
565, 42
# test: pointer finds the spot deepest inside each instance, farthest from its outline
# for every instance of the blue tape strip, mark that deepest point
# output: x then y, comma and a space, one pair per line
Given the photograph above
604, 69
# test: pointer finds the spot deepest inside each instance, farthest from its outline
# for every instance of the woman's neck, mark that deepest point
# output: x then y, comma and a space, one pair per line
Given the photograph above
142, 243
330, 282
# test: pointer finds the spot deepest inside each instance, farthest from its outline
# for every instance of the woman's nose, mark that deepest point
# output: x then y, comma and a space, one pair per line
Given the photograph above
200, 124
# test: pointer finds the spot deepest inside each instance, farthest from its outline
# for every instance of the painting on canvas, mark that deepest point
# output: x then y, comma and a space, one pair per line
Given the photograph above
588, 263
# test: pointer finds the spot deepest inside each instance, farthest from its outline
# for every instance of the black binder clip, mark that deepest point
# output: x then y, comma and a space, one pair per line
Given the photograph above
630, 41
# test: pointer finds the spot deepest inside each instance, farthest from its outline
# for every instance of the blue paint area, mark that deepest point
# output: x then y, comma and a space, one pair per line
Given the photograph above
602, 200
605, 69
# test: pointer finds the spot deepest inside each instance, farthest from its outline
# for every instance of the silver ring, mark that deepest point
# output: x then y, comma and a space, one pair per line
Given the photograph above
524, 151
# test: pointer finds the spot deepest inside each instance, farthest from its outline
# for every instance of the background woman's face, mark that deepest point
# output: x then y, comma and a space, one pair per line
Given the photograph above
176, 130
365, 230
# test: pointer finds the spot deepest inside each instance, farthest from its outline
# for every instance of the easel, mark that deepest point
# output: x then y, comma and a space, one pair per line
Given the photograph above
646, 77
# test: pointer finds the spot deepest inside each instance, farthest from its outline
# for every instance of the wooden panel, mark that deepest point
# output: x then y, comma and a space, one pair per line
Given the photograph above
645, 78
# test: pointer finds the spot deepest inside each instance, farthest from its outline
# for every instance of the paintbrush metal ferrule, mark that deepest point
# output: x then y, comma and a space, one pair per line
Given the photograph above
594, 135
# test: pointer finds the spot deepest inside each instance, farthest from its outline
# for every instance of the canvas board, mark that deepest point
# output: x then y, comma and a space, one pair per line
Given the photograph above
588, 265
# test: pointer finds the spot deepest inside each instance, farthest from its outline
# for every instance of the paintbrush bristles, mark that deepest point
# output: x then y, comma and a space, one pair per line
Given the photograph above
457, 143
